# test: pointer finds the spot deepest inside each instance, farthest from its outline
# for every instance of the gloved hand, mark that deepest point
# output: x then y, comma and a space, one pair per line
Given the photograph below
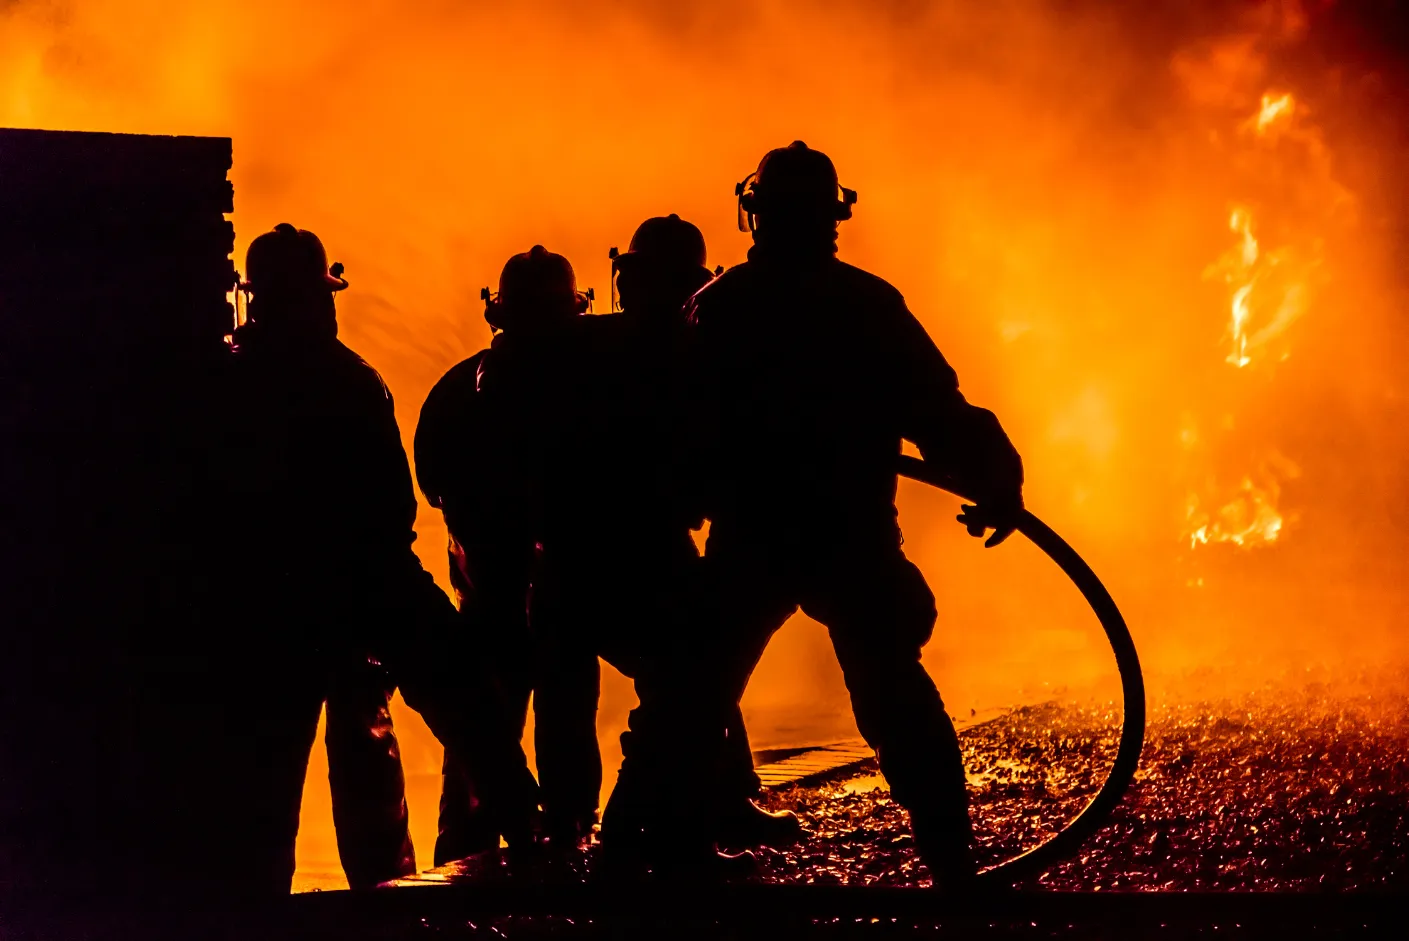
999, 515
972, 456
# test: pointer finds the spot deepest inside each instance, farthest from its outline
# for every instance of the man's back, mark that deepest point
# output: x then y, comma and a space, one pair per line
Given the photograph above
314, 430
810, 375
463, 465
615, 474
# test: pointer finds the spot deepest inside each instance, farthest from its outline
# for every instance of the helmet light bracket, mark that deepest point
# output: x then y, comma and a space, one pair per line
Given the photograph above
613, 253
335, 271
744, 191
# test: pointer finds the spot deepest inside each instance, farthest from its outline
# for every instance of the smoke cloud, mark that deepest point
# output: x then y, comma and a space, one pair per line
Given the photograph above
1050, 185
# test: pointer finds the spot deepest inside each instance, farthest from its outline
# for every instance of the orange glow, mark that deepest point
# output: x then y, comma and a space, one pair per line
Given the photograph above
1155, 251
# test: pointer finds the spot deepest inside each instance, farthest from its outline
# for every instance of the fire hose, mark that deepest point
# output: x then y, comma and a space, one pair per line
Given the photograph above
748, 901
1132, 683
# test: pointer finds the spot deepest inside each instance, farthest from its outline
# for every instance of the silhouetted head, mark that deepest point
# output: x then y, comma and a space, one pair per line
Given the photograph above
286, 271
537, 290
662, 268
794, 200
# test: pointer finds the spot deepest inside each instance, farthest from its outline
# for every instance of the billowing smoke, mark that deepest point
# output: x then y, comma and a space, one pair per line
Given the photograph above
1065, 192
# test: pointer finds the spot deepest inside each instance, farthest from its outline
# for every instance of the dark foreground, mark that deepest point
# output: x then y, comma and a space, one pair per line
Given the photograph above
1269, 816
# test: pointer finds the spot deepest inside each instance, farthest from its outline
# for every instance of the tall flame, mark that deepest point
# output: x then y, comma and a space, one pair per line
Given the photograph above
1268, 288
1268, 291
1241, 222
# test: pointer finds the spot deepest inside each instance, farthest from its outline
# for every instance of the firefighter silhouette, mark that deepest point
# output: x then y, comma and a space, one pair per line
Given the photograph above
806, 374
621, 559
364, 761
491, 551
485, 434
312, 443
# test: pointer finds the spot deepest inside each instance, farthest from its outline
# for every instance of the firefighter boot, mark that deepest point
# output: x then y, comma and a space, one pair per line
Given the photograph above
945, 845
744, 824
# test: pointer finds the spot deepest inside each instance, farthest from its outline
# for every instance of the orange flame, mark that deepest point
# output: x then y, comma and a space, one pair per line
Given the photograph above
1275, 110
1251, 519
1268, 286
1241, 222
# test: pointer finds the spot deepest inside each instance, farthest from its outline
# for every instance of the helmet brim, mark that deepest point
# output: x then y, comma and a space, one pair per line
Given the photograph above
627, 260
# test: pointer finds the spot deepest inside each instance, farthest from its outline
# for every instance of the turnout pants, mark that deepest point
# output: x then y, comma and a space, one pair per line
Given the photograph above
623, 600
418, 635
633, 602
878, 612
492, 564
366, 777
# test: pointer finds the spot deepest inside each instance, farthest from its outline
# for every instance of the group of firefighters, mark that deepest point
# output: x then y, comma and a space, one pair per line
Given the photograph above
572, 460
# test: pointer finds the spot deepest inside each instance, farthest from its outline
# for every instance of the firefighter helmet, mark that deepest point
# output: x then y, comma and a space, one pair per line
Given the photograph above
290, 260
669, 247
668, 241
793, 180
534, 281
535, 276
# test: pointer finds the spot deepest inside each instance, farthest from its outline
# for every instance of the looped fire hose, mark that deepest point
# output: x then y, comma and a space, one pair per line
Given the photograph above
1132, 683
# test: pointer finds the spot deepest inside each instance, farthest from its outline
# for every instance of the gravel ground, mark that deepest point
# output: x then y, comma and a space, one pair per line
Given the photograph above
1302, 792
1272, 791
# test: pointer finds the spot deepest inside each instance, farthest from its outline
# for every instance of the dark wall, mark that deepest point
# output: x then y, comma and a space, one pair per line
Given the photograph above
114, 269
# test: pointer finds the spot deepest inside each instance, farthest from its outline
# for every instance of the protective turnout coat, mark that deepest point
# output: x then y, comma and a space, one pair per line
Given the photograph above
806, 377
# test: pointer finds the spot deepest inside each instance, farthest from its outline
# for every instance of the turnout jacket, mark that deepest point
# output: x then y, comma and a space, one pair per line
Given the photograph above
805, 374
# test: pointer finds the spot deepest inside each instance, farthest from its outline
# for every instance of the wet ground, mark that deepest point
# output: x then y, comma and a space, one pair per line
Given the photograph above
1304, 793
1286, 792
